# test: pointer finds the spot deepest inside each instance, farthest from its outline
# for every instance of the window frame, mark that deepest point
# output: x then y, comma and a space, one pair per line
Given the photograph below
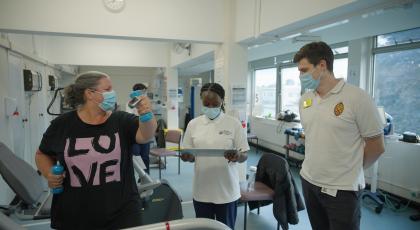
386, 49
277, 62
253, 89
383, 50
281, 66
375, 40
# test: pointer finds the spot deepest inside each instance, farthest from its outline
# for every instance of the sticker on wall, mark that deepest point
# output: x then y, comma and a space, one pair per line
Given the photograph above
339, 109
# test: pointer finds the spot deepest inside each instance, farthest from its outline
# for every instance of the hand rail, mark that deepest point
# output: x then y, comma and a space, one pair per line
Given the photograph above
185, 224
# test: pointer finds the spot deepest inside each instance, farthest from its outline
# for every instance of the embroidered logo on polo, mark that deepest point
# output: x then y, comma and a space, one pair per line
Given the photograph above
225, 132
93, 160
339, 109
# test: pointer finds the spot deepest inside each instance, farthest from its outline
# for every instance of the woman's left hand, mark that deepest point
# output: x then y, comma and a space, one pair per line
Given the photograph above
232, 155
144, 106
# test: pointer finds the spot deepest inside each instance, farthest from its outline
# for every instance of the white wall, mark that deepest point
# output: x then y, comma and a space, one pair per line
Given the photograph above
31, 44
67, 50
123, 79
360, 63
358, 27
6, 194
194, 69
35, 47
398, 169
106, 52
192, 20
22, 138
246, 19
255, 17
271, 132
184, 83
172, 106
276, 14
5, 137
197, 51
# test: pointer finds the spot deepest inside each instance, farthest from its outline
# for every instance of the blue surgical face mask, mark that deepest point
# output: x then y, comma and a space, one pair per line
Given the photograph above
211, 113
307, 82
110, 99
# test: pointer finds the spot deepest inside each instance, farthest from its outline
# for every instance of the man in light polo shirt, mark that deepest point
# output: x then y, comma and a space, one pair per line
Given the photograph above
343, 134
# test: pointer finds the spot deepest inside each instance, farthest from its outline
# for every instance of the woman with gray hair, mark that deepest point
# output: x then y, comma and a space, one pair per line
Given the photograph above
92, 143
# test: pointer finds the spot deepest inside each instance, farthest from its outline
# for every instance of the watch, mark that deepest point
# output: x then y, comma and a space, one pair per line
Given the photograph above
114, 6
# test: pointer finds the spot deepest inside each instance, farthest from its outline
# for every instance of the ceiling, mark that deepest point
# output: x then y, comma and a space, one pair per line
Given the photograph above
346, 27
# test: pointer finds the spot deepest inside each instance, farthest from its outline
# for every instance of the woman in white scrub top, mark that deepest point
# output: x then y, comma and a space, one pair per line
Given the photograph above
216, 180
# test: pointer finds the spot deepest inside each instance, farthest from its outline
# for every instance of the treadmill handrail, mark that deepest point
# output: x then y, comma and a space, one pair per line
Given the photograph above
6, 223
185, 224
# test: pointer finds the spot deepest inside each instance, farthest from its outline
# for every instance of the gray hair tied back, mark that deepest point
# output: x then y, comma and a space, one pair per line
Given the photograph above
74, 93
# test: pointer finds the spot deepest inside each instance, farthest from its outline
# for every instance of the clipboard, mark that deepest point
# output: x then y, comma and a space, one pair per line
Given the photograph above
205, 152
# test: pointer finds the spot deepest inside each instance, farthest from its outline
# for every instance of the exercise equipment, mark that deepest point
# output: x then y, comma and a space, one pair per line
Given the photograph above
33, 199
185, 224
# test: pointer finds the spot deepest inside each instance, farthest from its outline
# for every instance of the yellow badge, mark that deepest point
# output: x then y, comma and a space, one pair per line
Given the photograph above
339, 109
307, 103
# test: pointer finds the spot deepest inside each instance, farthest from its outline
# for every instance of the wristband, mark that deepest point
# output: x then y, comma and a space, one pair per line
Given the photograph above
146, 117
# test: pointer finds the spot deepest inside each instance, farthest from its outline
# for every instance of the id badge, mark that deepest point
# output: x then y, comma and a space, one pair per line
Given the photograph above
307, 103
329, 191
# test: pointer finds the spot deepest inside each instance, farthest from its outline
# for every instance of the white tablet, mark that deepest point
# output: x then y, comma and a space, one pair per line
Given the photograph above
206, 152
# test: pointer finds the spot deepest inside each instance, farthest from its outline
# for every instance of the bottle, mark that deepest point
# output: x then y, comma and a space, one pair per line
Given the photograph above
57, 170
135, 99
251, 178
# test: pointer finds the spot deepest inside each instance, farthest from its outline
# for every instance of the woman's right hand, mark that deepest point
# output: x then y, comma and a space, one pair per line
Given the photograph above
55, 181
187, 157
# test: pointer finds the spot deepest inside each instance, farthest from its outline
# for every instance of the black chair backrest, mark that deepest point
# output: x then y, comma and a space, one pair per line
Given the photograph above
160, 133
271, 164
22, 178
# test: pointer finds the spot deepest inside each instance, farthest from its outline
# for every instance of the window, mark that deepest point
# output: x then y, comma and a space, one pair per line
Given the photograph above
340, 68
397, 80
278, 89
265, 93
290, 84
398, 38
290, 89
340, 50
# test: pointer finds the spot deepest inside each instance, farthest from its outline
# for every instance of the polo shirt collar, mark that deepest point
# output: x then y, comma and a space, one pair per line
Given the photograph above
337, 88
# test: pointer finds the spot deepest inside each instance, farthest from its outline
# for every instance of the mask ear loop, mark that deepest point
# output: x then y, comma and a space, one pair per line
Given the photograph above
321, 75
95, 91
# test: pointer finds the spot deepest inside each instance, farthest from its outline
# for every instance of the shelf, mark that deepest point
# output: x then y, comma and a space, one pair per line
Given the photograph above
293, 150
288, 134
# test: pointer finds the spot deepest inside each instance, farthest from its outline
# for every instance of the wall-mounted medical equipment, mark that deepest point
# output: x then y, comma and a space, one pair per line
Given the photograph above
32, 81
52, 82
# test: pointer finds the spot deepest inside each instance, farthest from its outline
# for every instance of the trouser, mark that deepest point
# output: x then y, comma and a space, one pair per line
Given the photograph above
332, 213
143, 151
225, 213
